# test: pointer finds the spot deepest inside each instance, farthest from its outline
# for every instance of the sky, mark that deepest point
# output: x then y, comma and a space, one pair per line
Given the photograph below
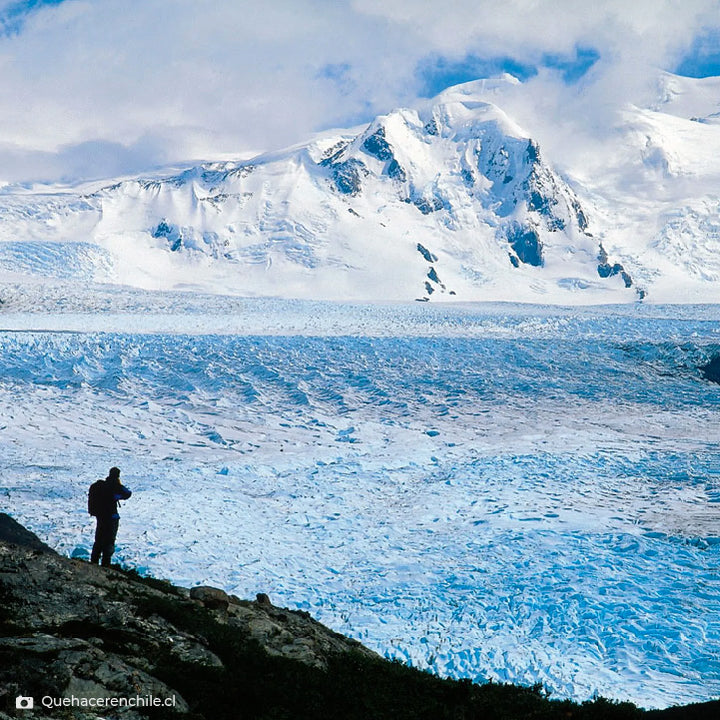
101, 88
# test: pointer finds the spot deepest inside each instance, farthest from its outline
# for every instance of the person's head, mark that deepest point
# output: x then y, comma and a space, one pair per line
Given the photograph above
114, 474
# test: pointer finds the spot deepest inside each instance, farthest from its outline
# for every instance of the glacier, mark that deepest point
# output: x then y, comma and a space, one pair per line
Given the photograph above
522, 493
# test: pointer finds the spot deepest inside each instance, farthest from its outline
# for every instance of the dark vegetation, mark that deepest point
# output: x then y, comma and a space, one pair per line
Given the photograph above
253, 684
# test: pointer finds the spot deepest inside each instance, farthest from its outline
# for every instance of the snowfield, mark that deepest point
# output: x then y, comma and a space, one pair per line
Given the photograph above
524, 493
451, 200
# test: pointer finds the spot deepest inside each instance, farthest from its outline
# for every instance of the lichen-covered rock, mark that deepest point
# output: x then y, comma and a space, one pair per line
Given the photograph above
292, 634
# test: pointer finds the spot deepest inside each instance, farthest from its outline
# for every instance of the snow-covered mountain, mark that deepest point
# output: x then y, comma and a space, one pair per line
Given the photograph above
450, 200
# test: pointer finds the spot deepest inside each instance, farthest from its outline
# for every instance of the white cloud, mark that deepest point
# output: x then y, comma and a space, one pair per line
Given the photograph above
205, 77
212, 77
527, 28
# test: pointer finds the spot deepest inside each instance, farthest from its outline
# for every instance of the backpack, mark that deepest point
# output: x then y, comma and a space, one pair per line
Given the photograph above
97, 498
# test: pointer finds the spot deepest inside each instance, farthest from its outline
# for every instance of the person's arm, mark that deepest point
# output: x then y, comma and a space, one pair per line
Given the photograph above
123, 493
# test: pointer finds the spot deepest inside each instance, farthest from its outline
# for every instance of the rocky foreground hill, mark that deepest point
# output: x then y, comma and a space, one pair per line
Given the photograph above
71, 632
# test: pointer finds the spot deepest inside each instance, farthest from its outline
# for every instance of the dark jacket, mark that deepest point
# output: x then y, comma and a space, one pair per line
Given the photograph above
112, 492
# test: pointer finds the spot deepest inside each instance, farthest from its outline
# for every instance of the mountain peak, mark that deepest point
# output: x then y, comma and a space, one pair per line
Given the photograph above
340, 218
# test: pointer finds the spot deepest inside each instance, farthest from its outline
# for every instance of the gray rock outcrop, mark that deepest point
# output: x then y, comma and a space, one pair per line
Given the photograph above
72, 629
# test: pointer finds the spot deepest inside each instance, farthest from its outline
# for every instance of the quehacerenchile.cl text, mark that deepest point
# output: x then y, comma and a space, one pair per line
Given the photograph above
138, 701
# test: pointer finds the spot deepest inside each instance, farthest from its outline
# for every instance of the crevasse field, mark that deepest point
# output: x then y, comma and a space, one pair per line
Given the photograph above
519, 493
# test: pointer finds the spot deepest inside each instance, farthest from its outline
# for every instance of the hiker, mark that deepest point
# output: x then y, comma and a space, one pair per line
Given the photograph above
103, 504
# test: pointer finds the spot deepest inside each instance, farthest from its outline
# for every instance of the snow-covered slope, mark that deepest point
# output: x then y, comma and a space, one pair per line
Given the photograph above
653, 193
450, 200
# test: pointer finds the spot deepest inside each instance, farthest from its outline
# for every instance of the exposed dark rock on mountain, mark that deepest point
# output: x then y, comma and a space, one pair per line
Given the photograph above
430, 257
605, 269
347, 176
396, 171
377, 146
526, 244
711, 371
170, 233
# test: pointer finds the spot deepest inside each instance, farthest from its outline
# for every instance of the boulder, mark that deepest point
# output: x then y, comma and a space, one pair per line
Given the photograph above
212, 598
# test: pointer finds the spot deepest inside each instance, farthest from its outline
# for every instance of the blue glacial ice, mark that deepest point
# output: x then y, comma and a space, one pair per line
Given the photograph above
523, 494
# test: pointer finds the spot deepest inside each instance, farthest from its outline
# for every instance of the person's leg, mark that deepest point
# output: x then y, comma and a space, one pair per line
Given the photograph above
99, 543
108, 547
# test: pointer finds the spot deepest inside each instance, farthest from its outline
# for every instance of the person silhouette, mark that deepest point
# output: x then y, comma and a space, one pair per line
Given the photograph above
103, 504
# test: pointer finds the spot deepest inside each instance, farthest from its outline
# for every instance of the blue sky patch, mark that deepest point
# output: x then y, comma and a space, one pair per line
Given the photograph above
572, 68
339, 74
13, 17
703, 58
335, 71
437, 73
